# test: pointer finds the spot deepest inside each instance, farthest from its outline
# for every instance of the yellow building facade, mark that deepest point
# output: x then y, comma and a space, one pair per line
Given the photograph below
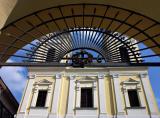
111, 89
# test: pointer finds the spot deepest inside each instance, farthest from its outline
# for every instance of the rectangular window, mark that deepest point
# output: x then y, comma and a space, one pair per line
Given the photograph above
124, 54
86, 98
133, 98
50, 55
41, 98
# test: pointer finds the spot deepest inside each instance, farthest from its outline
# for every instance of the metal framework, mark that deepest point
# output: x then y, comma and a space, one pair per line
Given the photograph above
102, 28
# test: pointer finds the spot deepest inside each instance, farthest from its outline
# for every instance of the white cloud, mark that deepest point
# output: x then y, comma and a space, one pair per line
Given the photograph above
14, 78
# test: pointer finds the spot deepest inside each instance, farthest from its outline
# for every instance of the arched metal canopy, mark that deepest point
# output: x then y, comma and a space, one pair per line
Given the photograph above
80, 16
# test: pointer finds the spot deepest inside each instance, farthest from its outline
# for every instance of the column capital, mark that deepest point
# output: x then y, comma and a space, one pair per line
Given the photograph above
115, 75
32, 76
58, 76
72, 77
101, 76
143, 75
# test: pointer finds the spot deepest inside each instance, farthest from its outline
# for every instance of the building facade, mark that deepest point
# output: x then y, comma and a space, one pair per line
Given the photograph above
67, 92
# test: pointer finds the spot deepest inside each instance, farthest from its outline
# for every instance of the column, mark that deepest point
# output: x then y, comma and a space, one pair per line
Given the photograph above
118, 96
56, 97
149, 95
26, 97
71, 98
102, 100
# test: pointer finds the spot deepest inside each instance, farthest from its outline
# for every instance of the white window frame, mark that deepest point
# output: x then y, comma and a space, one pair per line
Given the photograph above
86, 82
42, 85
132, 84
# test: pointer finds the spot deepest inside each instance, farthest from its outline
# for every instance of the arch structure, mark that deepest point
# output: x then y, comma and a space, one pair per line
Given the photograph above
106, 29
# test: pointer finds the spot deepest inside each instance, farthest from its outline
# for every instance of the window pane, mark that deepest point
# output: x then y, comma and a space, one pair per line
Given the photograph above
41, 98
50, 55
124, 54
133, 98
86, 97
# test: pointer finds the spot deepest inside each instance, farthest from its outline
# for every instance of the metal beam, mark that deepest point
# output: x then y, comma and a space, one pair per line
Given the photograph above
55, 64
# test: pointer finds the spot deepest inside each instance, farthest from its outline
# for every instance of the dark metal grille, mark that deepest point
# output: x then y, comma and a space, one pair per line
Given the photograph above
81, 28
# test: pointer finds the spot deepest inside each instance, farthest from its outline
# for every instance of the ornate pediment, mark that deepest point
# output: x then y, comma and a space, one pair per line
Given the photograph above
130, 81
43, 82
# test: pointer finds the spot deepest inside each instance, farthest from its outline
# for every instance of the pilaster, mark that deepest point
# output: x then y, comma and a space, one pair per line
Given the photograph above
71, 97
26, 98
102, 100
149, 95
56, 96
118, 97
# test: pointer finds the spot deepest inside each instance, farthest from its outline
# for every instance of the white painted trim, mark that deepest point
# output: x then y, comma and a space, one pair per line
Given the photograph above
102, 100
71, 100
118, 96
148, 93
27, 96
56, 96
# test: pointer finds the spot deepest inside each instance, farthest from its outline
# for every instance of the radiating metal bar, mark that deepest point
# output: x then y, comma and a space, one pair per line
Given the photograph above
117, 13
42, 22
146, 40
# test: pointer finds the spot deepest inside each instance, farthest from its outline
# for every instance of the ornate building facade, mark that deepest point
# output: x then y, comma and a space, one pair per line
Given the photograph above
67, 92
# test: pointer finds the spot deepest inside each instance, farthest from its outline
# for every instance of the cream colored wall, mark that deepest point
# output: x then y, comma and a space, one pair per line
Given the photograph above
125, 78
109, 89
153, 96
137, 78
64, 96
110, 101
37, 79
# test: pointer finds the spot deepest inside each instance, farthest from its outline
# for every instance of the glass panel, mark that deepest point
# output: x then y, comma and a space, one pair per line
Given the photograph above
133, 98
41, 98
86, 97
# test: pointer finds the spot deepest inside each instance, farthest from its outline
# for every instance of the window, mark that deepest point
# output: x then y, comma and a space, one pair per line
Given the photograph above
133, 98
50, 55
86, 97
124, 54
41, 98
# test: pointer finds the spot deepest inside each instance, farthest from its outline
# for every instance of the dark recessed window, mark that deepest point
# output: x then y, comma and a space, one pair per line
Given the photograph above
41, 98
124, 54
50, 55
86, 98
133, 98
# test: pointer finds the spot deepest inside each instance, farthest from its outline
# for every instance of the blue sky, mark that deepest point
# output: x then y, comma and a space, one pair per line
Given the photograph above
15, 77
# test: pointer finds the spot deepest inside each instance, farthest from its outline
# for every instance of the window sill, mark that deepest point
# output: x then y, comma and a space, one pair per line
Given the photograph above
39, 107
135, 107
85, 108
86, 111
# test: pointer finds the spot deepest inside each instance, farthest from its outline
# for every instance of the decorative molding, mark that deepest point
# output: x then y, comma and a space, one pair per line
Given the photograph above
84, 74
72, 77
143, 75
58, 76
115, 75
43, 82
32, 76
134, 85
45, 75
130, 81
101, 76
